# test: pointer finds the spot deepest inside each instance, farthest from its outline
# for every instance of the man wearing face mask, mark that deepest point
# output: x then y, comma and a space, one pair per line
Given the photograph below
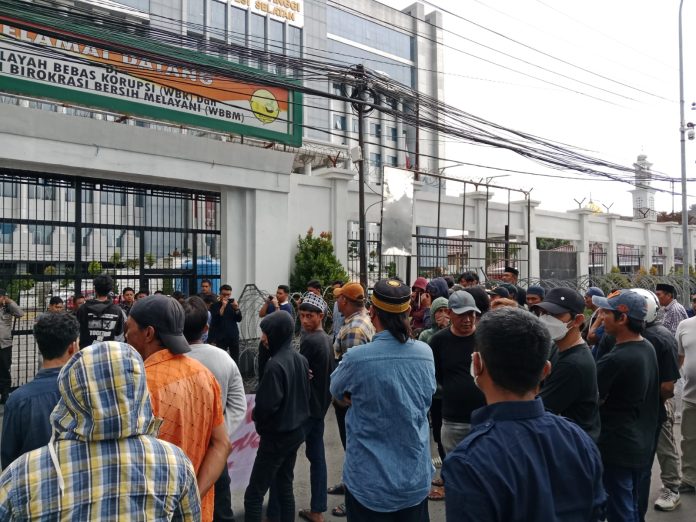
520, 463
571, 388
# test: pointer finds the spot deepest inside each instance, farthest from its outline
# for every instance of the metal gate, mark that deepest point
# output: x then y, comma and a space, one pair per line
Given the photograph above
58, 232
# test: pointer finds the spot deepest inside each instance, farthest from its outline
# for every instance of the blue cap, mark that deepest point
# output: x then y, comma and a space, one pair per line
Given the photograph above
536, 290
625, 301
593, 291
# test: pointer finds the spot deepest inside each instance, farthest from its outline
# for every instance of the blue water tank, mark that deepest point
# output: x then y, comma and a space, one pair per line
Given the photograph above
206, 268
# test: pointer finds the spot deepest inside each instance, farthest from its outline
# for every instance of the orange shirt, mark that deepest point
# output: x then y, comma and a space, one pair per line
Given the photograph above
186, 395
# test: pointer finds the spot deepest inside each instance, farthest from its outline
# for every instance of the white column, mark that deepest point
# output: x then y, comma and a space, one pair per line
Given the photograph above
612, 248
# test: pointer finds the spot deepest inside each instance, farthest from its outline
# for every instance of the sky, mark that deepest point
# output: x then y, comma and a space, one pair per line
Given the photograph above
633, 44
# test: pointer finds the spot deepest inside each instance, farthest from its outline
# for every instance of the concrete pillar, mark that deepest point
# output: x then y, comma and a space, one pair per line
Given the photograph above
612, 248
647, 261
478, 249
531, 253
238, 255
338, 209
582, 246
674, 242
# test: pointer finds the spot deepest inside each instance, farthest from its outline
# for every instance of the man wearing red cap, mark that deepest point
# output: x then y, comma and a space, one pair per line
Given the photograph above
420, 302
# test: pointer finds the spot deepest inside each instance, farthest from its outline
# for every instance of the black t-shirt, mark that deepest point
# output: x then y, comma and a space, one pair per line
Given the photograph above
628, 384
571, 389
317, 349
460, 396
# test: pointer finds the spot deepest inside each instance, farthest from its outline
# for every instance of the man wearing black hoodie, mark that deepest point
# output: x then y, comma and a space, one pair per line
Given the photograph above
100, 319
282, 409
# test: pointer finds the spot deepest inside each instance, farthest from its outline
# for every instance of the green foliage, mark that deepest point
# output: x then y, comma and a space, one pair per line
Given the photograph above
390, 269
315, 259
548, 243
167, 286
18, 285
132, 264
615, 280
94, 268
50, 270
150, 260
115, 259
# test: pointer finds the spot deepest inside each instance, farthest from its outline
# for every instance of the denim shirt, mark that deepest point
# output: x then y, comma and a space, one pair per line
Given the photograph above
388, 465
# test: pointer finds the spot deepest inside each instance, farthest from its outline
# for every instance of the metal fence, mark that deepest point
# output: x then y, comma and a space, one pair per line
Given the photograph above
58, 232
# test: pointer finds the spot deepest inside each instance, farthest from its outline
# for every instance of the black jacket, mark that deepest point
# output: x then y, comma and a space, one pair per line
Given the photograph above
99, 321
282, 398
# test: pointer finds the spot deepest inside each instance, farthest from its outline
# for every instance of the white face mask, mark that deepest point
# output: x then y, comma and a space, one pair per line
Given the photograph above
557, 328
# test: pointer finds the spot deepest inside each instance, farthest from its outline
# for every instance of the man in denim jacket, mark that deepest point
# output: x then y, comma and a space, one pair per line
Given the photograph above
389, 383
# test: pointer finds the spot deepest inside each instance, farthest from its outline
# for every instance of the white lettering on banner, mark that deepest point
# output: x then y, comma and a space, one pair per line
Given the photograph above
245, 442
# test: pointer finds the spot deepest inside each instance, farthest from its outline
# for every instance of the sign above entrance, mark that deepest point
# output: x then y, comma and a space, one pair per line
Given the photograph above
152, 80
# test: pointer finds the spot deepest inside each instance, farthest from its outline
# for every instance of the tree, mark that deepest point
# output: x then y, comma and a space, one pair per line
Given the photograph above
547, 243
116, 259
315, 259
150, 260
94, 268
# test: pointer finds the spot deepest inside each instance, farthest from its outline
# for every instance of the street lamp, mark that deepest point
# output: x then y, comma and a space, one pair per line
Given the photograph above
686, 256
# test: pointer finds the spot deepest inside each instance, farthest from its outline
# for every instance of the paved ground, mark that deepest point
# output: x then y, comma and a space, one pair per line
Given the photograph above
334, 452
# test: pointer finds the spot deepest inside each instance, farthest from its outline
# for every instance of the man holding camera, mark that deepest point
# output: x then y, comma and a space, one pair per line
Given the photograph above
224, 316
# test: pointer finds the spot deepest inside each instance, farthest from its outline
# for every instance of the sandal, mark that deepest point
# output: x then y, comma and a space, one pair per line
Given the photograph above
338, 489
436, 493
340, 511
308, 514
438, 482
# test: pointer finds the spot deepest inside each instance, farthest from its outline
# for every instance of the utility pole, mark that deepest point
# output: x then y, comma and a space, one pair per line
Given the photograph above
686, 256
360, 94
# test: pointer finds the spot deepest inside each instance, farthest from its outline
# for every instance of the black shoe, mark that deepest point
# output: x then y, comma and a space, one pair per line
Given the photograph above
686, 488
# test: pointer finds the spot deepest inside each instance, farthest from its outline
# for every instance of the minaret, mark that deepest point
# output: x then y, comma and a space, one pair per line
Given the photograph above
643, 194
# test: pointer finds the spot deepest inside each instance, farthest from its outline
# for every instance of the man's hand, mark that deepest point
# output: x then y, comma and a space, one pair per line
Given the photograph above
235, 305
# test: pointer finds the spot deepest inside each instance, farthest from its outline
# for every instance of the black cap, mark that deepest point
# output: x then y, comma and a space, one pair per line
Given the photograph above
512, 289
666, 288
562, 300
499, 291
391, 295
166, 316
512, 270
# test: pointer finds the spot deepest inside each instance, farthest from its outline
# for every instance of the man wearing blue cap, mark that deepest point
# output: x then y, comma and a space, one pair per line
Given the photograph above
629, 394
594, 329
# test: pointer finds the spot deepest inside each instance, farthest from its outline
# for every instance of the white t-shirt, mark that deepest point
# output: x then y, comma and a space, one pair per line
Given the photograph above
686, 340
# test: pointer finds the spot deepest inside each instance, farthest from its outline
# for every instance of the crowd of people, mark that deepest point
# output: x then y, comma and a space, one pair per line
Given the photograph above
539, 404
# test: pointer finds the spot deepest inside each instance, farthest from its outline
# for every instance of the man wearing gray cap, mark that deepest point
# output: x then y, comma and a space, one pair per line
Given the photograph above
570, 390
452, 349
184, 393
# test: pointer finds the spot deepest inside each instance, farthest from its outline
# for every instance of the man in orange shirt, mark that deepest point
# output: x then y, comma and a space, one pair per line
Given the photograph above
184, 393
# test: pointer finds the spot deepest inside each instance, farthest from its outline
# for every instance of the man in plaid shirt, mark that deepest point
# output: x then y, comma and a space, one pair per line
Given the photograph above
674, 312
357, 329
104, 461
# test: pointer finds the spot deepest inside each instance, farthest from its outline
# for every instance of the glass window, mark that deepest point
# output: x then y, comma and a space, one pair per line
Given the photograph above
337, 88
294, 41
238, 30
348, 55
376, 129
140, 199
392, 133
367, 32
8, 189
276, 40
257, 31
218, 20
356, 127
6, 231
42, 192
86, 236
339, 122
196, 15
87, 195
141, 5
113, 198
375, 159
41, 234
114, 238
391, 160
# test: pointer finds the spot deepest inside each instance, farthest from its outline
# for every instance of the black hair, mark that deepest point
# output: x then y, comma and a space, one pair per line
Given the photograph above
514, 346
634, 325
143, 291
206, 281
127, 289
450, 281
397, 324
483, 302
469, 276
178, 295
284, 288
158, 292
337, 282
78, 296
209, 299
226, 288
195, 318
54, 333
56, 299
314, 283
103, 284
